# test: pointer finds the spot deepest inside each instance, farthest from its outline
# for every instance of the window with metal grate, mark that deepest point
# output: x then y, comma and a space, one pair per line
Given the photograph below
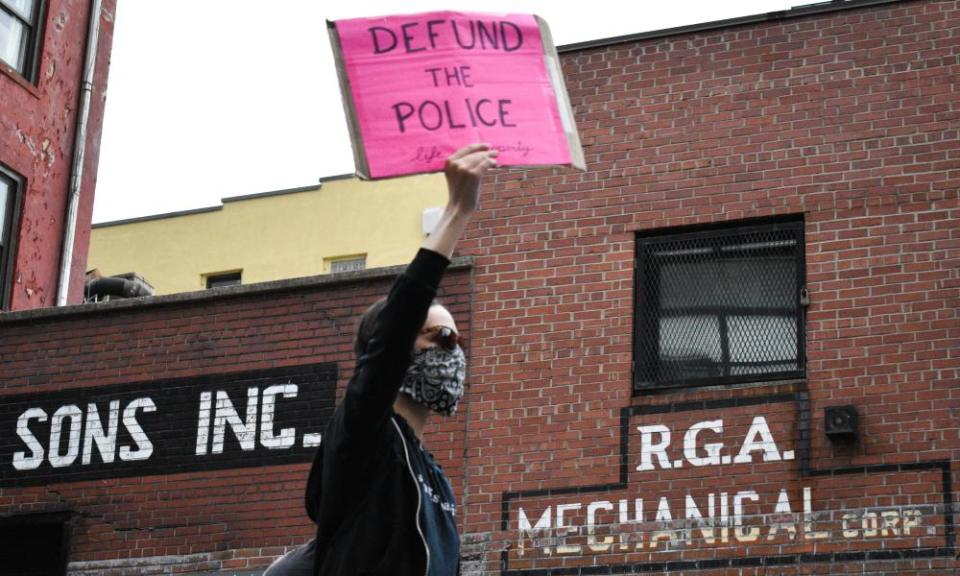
719, 306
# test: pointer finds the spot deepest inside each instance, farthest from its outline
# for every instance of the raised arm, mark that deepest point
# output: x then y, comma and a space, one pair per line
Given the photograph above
463, 170
382, 365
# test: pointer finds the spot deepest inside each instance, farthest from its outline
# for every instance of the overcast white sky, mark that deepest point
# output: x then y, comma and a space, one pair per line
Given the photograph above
216, 98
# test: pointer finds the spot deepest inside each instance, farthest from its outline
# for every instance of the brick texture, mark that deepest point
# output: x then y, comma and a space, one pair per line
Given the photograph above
37, 131
847, 119
232, 520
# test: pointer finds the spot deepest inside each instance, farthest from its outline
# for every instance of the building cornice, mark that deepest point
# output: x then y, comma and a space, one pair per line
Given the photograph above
276, 286
796, 12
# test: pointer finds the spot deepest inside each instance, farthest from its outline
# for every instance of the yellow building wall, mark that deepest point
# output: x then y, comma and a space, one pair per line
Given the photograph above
273, 236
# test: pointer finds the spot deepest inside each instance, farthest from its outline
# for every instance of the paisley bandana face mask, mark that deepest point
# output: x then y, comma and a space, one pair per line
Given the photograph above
435, 378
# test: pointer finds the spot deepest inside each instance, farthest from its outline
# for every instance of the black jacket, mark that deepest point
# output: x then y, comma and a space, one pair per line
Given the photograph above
361, 492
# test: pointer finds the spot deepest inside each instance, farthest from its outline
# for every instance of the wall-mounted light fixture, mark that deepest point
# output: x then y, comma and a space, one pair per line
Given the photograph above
840, 423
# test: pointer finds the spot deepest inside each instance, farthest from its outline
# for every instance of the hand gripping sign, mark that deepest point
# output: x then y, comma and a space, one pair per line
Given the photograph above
418, 87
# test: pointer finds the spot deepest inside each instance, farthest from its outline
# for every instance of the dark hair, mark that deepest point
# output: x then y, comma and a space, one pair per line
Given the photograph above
368, 324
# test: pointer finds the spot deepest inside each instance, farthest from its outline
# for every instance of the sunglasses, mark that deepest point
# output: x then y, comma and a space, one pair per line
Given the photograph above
444, 337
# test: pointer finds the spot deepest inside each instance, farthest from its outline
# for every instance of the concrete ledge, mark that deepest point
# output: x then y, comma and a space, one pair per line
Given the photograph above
795, 12
292, 284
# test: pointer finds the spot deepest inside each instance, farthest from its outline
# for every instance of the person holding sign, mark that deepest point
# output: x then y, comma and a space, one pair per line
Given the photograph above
381, 504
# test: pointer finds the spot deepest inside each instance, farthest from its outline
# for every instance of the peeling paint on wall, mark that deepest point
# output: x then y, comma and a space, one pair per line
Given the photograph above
37, 126
60, 21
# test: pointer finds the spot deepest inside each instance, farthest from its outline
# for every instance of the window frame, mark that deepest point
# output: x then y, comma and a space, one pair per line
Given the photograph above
8, 253
223, 276
63, 518
645, 316
331, 263
34, 30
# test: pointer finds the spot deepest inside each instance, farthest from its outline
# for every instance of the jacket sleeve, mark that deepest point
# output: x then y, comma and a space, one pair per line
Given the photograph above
371, 392
370, 395
350, 442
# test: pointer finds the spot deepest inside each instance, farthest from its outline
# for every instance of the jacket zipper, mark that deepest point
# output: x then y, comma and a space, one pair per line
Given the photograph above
416, 485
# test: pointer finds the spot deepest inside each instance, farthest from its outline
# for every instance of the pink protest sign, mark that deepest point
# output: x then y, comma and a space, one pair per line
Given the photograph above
417, 87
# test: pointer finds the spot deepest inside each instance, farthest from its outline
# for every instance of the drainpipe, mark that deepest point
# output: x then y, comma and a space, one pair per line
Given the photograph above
79, 149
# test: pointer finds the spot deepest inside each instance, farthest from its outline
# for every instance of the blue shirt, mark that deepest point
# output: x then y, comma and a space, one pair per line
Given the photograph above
438, 513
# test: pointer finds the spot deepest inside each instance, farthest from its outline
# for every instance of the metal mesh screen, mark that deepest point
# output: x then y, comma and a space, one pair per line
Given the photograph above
719, 306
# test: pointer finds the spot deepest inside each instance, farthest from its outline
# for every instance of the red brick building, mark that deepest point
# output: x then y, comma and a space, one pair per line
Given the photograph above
728, 347
45, 97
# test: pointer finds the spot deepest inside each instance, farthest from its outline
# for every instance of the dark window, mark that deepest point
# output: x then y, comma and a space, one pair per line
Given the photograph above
225, 279
10, 191
20, 35
34, 544
719, 306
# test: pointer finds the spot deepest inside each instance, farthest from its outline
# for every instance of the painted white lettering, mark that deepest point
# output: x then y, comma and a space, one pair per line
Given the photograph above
911, 519
870, 525
562, 528
624, 510
744, 533
665, 517
648, 449
75, 416
709, 519
758, 439
883, 524
20, 459
226, 415
696, 521
808, 531
624, 515
530, 532
663, 511
724, 517
144, 445
93, 433
312, 440
203, 423
592, 542
847, 523
692, 512
891, 518
783, 517
713, 450
268, 437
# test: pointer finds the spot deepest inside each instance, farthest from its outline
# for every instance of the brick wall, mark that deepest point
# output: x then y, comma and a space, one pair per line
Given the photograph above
37, 130
228, 510
846, 120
